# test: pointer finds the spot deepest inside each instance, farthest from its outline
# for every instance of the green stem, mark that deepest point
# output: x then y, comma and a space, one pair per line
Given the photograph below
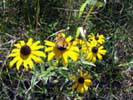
88, 14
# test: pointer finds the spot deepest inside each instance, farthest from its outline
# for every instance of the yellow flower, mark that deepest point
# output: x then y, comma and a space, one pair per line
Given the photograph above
93, 51
24, 53
62, 48
78, 41
98, 38
82, 83
85, 46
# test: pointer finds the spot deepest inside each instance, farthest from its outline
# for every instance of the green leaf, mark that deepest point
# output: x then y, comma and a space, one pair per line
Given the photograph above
91, 2
47, 74
63, 68
65, 74
87, 63
77, 32
63, 71
34, 80
99, 4
82, 9
127, 64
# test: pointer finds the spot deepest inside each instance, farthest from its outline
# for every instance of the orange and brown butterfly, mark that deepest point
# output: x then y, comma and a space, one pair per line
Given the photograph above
60, 41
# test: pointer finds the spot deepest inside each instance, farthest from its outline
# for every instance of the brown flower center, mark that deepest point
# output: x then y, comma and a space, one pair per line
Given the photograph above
95, 49
25, 50
81, 80
96, 37
61, 48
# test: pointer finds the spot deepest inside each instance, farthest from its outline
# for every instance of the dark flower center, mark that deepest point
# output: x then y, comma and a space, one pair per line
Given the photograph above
96, 37
81, 80
25, 50
61, 48
95, 49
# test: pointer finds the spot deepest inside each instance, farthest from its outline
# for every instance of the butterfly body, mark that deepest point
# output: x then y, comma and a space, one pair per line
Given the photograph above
60, 42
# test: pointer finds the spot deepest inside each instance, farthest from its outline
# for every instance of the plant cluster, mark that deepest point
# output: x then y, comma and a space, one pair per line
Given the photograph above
66, 50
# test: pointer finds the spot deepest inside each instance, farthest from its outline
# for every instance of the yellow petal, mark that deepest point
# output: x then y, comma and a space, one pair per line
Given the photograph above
31, 64
91, 35
101, 36
74, 86
26, 65
102, 52
49, 43
18, 64
101, 41
89, 56
36, 59
12, 54
94, 59
69, 38
39, 53
35, 44
63, 35
101, 47
87, 75
48, 49
81, 73
85, 87
29, 43
17, 45
13, 61
22, 43
99, 56
88, 82
73, 78
50, 56
93, 43
74, 48
37, 47
57, 56
15, 50
80, 88
57, 61
74, 43
65, 58
73, 55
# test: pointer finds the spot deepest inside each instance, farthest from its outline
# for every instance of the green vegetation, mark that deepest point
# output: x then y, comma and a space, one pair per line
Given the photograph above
43, 19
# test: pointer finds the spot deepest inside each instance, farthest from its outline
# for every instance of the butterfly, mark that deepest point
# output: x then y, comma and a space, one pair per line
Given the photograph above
60, 42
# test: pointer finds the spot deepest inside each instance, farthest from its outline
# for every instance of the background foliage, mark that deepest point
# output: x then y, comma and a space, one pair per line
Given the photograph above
112, 78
